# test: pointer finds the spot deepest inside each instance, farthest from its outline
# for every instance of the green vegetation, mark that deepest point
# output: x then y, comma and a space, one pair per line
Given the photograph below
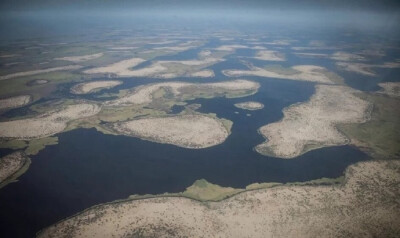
380, 136
13, 178
37, 145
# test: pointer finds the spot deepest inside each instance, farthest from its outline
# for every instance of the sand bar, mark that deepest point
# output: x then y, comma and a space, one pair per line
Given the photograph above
188, 131
250, 105
270, 55
311, 73
81, 58
14, 102
90, 87
311, 125
144, 94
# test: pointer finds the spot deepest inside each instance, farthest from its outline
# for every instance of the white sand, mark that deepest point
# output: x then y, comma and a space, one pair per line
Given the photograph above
121, 68
250, 105
311, 73
81, 58
365, 206
39, 71
311, 125
94, 86
365, 69
390, 88
14, 102
188, 131
345, 56
143, 94
270, 55
46, 124
10, 164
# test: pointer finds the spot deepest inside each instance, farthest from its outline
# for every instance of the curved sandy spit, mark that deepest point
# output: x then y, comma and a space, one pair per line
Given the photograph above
366, 205
94, 86
11, 164
311, 125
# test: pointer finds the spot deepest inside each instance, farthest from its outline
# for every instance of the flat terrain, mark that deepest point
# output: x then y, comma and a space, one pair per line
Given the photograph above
365, 205
46, 124
311, 73
250, 105
14, 102
11, 166
311, 125
94, 86
188, 131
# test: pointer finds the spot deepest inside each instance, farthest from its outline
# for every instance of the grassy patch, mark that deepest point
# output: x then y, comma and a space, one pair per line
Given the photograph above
380, 136
37, 145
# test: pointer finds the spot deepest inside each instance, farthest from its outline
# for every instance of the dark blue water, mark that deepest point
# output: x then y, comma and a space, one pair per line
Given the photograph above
87, 167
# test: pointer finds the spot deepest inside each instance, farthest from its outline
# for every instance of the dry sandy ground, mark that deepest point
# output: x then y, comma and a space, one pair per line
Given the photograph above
46, 124
158, 69
120, 68
366, 205
311, 125
81, 58
188, 131
90, 87
10, 164
270, 55
366, 69
311, 73
14, 102
390, 88
250, 105
345, 56
144, 94
39, 71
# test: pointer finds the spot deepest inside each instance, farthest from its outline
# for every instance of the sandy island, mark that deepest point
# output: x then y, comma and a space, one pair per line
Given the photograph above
311, 125
390, 88
46, 124
270, 55
366, 205
14, 102
39, 71
12, 166
311, 73
365, 69
250, 105
188, 131
94, 86
81, 58
144, 94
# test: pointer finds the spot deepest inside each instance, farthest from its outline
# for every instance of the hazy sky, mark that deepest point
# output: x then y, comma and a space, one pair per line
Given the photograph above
391, 5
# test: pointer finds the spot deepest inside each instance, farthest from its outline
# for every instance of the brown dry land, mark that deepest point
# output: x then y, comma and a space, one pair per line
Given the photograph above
366, 205
311, 125
14, 102
94, 86
188, 131
12, 166
48, 123
311, 73
250, 105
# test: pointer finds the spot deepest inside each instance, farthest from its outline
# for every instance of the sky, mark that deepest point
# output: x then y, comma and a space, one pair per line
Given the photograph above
371, 5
